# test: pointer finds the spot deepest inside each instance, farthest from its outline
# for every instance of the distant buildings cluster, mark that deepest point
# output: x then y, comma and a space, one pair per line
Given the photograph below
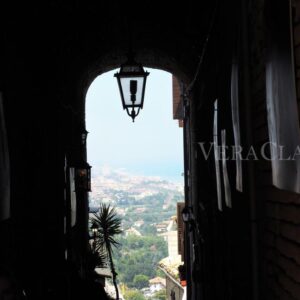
115, 186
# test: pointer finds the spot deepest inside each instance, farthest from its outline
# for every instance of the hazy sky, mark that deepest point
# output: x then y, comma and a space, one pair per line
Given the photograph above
152, 145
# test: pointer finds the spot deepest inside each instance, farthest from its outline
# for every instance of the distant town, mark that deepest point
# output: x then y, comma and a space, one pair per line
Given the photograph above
117, 185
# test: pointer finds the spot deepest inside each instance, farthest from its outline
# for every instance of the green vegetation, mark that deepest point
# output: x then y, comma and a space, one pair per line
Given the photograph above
160, 295
160, 273
152, 211
140, 281
133, 295
138, 258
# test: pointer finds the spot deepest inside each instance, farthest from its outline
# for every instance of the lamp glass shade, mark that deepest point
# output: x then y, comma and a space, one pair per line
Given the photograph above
126, 82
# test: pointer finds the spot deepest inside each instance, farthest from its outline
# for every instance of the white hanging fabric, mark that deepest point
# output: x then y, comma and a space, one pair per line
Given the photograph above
236, 124
4, 168
217, 156
282, 108
227, 188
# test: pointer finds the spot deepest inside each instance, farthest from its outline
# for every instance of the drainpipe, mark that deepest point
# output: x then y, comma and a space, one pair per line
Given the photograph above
249, 142
188, 256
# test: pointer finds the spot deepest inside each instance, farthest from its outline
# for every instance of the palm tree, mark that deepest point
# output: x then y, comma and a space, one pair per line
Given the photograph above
109, 225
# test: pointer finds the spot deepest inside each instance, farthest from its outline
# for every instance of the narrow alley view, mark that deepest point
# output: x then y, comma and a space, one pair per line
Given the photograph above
183, 188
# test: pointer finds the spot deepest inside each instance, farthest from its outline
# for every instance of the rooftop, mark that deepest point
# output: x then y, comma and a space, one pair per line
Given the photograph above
158, 280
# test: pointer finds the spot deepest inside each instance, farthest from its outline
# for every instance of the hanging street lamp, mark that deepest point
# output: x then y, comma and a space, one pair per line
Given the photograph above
83, 134
132, 83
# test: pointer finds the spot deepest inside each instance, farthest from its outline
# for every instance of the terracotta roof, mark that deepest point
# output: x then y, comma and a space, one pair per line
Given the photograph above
133, 231
158, 280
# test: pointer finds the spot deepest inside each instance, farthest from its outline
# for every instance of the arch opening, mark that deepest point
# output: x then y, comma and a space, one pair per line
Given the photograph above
137, 168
